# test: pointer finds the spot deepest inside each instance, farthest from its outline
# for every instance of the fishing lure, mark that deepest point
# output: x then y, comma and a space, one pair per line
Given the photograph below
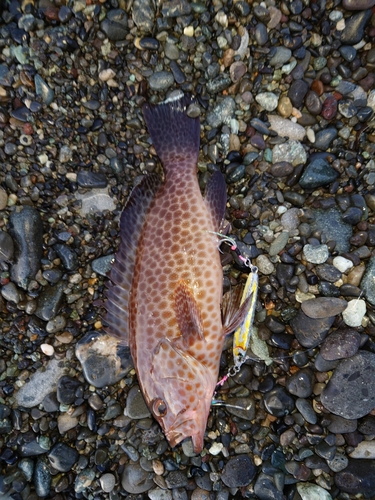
242, 334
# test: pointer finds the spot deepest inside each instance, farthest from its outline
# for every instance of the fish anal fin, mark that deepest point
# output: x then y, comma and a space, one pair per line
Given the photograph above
216, 198
234, 314
121, 274
188, 315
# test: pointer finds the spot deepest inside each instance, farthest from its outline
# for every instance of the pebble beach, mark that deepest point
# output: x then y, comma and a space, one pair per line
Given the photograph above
285, 92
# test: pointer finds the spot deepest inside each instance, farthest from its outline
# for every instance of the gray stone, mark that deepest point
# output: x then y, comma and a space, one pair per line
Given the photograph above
350, 391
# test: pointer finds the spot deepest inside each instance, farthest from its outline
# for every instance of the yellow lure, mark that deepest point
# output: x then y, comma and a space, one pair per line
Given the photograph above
242, 335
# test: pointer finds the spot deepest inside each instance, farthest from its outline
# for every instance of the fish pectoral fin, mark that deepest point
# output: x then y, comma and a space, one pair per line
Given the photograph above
216, 198
188, 315
234, 314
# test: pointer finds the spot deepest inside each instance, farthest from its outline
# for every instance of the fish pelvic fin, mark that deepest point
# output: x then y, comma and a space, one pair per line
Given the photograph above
174, 134
188, 315
121, 275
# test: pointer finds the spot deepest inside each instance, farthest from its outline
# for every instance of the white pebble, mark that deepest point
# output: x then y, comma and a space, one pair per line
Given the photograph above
365, 449
47, 349
342, 264
106, 74
222, 19
340, 25
216, 448
354, 313
310, 135
107, 482
189, 31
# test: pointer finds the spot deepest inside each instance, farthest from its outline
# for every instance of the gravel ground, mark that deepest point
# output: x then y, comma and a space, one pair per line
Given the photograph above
286, 98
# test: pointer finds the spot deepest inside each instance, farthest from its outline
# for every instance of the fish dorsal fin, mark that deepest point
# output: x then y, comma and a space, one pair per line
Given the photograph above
234, 314
216, 198
121, 274
188, 315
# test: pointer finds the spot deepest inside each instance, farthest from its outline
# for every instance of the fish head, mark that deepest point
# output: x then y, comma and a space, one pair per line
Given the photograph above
181, 397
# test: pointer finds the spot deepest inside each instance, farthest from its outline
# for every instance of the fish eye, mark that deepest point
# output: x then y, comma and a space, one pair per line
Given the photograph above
159, 407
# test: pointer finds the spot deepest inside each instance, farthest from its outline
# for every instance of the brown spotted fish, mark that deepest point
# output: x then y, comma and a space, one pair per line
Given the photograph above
166, 293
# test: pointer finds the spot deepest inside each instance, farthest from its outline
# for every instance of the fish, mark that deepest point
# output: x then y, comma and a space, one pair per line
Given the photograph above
165, 291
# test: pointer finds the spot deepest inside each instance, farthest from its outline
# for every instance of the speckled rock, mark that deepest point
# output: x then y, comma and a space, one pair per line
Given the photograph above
349, 393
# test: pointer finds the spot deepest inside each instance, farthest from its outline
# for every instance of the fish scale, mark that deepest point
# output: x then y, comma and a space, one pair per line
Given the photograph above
165, 301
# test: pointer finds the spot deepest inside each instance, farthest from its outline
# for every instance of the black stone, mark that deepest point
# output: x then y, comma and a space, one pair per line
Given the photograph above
26, 229
358, 478
66, 389
278, 402
238, 472
68, 257
87, 179
62, 457
310, 332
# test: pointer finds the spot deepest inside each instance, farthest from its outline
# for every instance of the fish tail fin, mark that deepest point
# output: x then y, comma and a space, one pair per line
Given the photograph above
174, 134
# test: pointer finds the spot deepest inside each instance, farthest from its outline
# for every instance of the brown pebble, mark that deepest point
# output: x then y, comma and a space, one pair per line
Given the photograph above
285, 106
329, 109
318, 87
281, 169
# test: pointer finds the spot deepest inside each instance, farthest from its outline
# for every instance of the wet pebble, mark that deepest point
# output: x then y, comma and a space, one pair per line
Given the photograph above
267, 100
238, 472
357, 478
354, 313
115, 25
324, 138
26, 230
135, 404
278, 402
50, 301
42, 477
349, 392
66, 390
161, 80
63, 457
300, 384
286, 128
306, 410
323, 307
316, 254
43, 90
317, 173
310, 491
297, 92
308, 331
68, 257
87, 179
265, 488
104, 361
135, 480
290, 151
84, 480
340, 344
354, 27
367, 283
